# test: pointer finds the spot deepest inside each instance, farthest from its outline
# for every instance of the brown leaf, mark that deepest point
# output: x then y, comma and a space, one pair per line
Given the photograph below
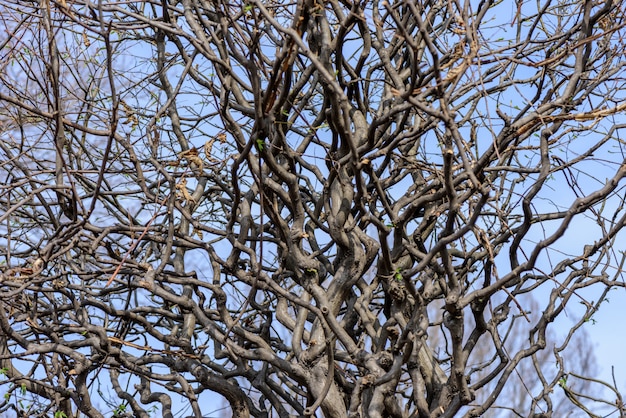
183, 192
86, 40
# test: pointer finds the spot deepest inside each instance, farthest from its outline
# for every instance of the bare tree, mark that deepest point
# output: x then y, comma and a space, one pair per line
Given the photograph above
339, 208
517, 395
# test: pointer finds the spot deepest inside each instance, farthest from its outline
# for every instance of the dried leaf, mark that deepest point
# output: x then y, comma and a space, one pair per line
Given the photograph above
86, 40
183, 193
197, 161
192, 157
127, 109
155, 139
453, 73
208, 147
190, 152
131, 116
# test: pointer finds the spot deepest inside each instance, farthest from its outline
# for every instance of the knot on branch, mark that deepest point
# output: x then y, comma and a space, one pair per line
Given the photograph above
385, 360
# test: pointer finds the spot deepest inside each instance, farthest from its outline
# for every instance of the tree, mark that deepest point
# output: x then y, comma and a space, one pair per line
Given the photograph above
340, 208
